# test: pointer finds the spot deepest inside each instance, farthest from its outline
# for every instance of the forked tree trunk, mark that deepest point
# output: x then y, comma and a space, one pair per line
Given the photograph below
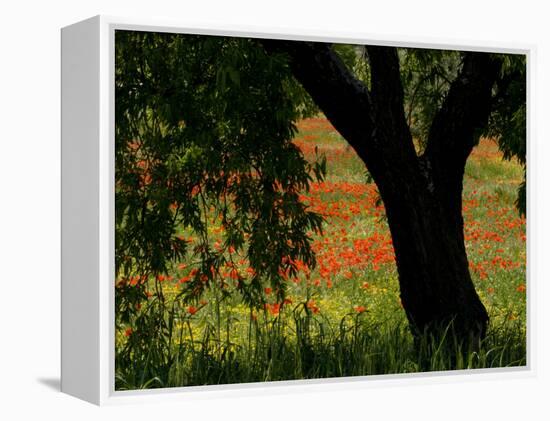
422, 194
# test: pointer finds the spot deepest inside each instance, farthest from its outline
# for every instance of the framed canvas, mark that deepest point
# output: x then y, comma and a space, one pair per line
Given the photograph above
245, 209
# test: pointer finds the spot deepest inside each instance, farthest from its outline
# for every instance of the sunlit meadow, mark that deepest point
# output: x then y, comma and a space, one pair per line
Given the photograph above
344, 317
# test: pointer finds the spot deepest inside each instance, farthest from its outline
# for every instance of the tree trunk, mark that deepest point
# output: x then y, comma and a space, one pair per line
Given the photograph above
422, 194
436, 288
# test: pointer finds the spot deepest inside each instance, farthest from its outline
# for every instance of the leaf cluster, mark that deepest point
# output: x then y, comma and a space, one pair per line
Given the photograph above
203, 143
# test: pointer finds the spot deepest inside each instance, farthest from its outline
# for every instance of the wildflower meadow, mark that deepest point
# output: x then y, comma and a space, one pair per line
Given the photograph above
343, 318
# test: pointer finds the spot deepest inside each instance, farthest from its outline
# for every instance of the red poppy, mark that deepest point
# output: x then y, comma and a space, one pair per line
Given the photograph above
313, 306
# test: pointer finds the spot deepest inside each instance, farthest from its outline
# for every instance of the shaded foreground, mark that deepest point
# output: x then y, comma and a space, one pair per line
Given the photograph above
355, 348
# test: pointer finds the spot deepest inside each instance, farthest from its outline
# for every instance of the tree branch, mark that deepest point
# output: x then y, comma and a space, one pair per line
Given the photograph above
456, 126
465, 109
374, 125
344, 99
388, 101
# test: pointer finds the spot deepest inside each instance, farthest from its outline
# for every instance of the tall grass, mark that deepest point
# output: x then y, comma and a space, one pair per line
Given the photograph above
301, 345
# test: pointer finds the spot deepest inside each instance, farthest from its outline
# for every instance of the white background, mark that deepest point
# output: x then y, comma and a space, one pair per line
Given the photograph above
30, 207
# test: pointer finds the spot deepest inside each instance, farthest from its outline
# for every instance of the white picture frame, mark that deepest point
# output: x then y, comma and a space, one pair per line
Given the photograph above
87, 332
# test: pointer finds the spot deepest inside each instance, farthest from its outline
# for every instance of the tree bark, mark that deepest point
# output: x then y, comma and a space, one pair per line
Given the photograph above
422, 195
435, 283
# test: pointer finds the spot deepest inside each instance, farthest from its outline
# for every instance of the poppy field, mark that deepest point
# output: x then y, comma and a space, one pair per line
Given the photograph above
344, 316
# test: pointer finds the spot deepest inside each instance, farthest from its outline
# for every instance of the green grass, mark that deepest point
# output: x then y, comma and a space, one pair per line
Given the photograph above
345, 317
303, 347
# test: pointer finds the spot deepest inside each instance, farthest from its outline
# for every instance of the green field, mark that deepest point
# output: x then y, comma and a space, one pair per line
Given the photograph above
343, 318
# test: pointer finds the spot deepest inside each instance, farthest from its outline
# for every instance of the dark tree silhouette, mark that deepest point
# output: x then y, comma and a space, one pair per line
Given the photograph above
422, 194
